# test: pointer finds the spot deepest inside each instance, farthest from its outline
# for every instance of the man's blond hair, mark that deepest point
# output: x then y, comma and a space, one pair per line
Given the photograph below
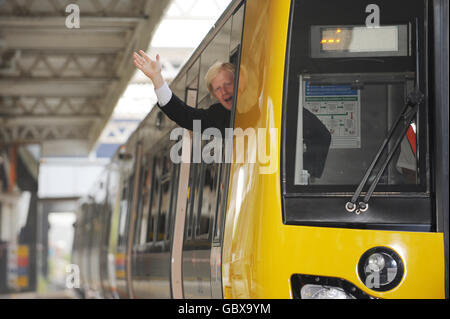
214, 71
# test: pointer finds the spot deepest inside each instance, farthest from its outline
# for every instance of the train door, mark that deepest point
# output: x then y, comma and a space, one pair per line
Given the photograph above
362, 69
201, 266
126, 193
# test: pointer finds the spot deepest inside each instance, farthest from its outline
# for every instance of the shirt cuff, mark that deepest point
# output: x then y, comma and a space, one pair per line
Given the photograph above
164, 94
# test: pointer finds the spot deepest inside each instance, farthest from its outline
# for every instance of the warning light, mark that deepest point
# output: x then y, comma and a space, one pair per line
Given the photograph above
338, 31
338, 41
331, 41
323, 41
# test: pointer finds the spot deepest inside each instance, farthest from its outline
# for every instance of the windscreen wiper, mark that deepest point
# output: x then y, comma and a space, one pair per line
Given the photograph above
409, 111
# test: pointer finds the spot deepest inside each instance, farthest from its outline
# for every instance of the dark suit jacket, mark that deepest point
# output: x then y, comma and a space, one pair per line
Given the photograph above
316, 136
215, 116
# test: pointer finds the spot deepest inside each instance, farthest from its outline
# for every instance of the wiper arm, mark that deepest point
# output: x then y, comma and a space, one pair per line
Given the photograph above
413, 101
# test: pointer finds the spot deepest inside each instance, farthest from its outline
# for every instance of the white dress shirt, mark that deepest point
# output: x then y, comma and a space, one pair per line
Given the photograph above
164, 94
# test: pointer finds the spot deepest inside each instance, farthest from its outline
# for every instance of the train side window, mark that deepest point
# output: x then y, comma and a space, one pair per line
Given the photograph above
107, 222
236, 30
162, 217
194, 170
146, 193
192, 75
205, 191
165, 198
141, 189
143, 205
1, 222
154, 200
123, 214
191, 96
198, 198
217, 50
130, 188
208, 198
173, 197
179, 87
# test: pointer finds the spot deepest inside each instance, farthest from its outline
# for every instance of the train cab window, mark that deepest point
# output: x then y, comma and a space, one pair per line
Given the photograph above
356, 114
358, 120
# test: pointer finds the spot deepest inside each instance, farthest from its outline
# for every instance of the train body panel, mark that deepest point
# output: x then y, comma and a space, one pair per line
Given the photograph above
250, 191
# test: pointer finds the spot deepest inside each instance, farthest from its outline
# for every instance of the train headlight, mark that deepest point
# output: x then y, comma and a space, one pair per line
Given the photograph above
322, 287
380, 269
376, 263
323, 292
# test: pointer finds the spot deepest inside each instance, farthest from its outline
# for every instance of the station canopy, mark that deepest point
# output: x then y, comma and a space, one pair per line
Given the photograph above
59, 81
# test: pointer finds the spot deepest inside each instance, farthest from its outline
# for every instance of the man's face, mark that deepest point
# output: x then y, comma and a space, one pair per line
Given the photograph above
222, 86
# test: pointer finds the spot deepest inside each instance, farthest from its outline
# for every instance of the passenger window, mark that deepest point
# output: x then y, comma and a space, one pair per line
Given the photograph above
123, 215
194, 170
179, 87
173, 197
236, 29
154, 199
209, 197
217, 50
141, 190
191, 97
192, 85
142, 219
165, 198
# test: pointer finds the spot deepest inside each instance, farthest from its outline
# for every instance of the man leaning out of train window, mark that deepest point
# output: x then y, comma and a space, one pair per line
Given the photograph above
220, 83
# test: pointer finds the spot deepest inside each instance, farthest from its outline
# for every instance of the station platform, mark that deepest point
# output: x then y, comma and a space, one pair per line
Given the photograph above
60, 294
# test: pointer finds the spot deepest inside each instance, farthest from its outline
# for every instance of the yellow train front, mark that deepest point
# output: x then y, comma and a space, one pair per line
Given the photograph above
288, 233
272, 218
353, 64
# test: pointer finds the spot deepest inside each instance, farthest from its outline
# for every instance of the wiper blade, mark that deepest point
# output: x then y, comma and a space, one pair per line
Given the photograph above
410, 110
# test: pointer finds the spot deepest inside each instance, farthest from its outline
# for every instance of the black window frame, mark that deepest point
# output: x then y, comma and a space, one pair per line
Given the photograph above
323, 202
